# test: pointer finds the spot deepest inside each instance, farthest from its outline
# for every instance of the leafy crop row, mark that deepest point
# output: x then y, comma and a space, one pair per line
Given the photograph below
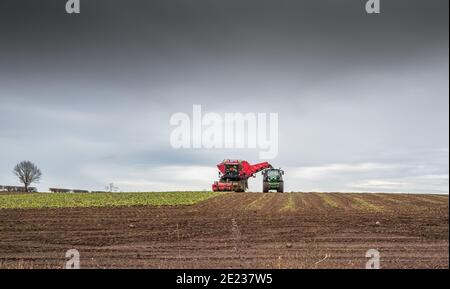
67, 200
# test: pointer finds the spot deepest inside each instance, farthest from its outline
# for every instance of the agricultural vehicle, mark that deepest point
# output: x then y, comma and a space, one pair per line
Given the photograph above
234, 175
273, 180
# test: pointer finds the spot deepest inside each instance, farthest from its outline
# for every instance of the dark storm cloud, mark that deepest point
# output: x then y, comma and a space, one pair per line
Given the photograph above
139, 45
112, 40
363, 99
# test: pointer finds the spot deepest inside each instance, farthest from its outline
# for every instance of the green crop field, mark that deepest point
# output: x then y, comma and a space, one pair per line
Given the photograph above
70, 200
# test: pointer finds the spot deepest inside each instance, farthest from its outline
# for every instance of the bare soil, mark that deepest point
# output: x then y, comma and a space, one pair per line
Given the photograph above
236, 230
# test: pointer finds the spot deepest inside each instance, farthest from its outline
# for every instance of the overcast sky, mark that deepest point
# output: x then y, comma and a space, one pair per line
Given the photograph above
363, 100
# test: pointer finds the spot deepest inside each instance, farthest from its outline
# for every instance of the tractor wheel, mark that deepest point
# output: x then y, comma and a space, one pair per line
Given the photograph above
280, 188
265, 187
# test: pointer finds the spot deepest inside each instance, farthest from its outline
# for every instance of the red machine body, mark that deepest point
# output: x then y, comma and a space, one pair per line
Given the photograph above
234, 175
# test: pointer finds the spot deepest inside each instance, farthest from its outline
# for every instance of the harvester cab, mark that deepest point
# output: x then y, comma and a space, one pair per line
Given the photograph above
231, 172
273, 180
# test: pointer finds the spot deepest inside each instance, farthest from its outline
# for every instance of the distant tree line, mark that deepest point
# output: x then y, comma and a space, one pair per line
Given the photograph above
28, 173
61, 190
17, 189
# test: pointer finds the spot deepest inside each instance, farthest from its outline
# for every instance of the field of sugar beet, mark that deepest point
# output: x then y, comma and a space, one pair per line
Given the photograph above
225, 230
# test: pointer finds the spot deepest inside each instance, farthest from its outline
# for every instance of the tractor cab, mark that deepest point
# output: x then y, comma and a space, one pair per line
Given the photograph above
273, 180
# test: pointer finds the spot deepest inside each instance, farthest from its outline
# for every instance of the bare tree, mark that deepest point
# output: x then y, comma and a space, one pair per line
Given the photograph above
28, 173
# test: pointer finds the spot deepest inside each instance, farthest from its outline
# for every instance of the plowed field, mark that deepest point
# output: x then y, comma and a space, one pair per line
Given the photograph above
235, 230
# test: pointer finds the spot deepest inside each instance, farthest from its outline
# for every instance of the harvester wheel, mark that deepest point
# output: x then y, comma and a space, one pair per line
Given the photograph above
280, 188
265, 187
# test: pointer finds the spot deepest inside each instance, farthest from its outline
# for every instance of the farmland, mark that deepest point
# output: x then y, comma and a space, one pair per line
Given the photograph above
232, 230
73, 200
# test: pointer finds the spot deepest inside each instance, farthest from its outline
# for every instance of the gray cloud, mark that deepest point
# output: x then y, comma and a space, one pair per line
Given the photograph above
89, 96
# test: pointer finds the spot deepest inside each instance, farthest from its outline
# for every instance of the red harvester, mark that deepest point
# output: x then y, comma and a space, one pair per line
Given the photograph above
234, 175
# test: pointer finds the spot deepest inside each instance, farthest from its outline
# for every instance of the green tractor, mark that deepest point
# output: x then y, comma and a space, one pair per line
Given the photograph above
273, 180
